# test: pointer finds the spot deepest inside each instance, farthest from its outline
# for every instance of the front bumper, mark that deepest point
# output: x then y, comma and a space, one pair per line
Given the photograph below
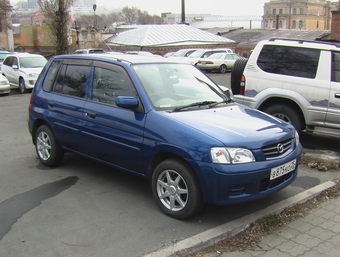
231, 184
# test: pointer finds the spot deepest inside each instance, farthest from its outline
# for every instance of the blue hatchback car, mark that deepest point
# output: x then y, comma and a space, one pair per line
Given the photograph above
165, 121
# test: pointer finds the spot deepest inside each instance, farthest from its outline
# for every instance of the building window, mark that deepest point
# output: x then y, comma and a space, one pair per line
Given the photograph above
300, 24
317, 24
274, 24
301, 10
266, 24
294, 11
274, 11
280, 11
294, 24
280, 24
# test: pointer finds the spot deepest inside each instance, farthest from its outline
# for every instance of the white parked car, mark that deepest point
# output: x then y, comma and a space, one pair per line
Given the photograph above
194, 57
4, 85
295, 80
218, 61
23, 69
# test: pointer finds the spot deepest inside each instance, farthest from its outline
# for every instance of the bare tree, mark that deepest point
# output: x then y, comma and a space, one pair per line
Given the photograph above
130, 14
145, 18
104, 20
57, 17
6, 8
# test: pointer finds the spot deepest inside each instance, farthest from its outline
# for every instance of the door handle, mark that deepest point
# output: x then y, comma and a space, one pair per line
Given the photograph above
90, 114
51, 104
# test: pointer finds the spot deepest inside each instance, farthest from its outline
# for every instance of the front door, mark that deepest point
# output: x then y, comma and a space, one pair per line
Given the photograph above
110, 133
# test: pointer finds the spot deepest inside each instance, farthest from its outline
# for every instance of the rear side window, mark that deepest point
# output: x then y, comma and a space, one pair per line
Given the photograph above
336, 67
51, 75
71, 80
290, 61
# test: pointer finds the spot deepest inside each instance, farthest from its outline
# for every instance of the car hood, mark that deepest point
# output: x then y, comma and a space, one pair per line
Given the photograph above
236, 123
31, 70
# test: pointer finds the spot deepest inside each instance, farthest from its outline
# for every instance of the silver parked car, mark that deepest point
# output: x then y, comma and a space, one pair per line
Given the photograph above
218, 61
23, 69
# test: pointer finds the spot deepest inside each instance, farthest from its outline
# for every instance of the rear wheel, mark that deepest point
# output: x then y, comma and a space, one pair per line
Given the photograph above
176, 189
236, 74
223, 69
22, 86
287, 113
47, 148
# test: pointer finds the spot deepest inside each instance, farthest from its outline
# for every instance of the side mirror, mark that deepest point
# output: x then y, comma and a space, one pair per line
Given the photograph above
127, 102
15, 67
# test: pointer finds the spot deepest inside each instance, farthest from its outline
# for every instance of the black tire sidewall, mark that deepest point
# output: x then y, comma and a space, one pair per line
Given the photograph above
288, 111
236, 74
22, 88
194, 203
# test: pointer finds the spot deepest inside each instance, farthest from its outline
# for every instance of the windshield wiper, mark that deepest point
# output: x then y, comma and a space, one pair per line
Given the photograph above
223, 102
199, 104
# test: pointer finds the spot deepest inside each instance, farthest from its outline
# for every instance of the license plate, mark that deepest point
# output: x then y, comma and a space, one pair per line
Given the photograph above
282, 170
203, 62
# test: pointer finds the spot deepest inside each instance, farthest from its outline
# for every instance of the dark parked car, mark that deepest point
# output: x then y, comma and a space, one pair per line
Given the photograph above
164, 121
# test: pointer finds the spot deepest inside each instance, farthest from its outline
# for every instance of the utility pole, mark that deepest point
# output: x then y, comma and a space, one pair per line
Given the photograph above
94, 25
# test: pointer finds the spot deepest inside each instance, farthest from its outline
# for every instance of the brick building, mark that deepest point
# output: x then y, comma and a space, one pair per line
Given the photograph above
335, 29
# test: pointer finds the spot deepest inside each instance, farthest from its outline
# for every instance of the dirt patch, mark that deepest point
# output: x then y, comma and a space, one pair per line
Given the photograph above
322, 160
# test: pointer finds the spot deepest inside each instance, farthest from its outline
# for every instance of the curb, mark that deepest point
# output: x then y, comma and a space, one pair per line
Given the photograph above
215, 235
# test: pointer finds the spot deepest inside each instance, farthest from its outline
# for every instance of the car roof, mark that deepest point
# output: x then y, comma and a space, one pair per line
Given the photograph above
129, 58
302, 43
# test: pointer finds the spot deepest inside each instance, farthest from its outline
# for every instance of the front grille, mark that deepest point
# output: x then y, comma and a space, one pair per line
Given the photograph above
277, 149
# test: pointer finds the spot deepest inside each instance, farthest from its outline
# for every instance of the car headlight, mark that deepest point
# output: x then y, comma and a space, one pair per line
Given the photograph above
3, 82
32, 74
297, 138
230, 155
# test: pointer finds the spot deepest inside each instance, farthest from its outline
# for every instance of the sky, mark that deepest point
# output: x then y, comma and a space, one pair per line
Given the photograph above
214, 7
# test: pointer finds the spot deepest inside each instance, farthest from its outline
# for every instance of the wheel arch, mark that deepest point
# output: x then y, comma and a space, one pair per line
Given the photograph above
38, 123
160, 157
165, 155
281, 100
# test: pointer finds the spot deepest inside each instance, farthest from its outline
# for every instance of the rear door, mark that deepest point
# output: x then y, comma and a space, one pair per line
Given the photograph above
333, 113
66, 82
110, 133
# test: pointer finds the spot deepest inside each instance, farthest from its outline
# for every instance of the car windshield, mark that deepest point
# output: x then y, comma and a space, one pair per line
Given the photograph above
180, 53
197, 54
2, 56
172, 86
32, 62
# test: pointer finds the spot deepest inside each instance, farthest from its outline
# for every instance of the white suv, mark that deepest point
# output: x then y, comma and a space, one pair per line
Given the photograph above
295, 80
23, 69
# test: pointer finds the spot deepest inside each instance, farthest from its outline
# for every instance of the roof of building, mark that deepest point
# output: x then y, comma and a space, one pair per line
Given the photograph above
248, 38
166, 35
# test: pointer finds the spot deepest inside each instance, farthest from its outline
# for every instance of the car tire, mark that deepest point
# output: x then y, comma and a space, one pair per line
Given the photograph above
176, 189
48, 149
223, 69
287, 113
236, 74
22, 87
